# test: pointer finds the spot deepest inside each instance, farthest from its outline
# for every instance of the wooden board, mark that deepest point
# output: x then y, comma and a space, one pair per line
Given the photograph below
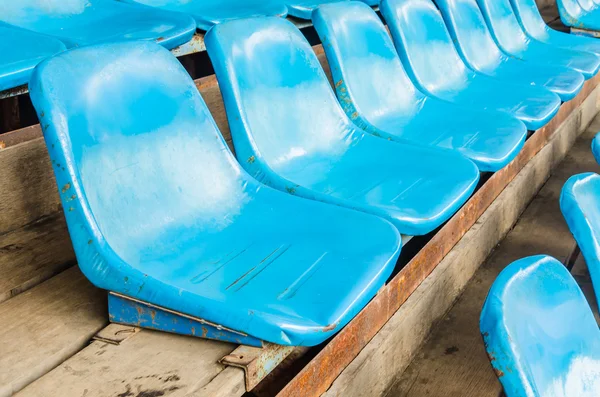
148, 363
453, 361
44, 326
33, 254
373, 371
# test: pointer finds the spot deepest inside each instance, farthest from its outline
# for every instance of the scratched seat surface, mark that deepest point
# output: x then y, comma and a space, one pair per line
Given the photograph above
511, 38
83, 22
579, 14
480, 52
290, 132
21, 51
377, 94
159, 210
580, 205
435, 66
532, 22
210, 12
540, 333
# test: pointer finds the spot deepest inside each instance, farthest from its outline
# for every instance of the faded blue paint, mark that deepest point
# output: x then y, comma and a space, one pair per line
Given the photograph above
540, 333
84, 22
581, 14
377, 94
480, 52
532, 22
291, 133
159, 210
435, 66
596, 147
21, 51
580, 205
123, 310
513, 40
211, 12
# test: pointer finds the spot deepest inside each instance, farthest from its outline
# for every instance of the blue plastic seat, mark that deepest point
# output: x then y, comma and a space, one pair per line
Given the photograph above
580, 205
532, 22
540, 333
210, 12
160, 212
579, 14
511, 38
377, 94
290, 132
21, 51
434, 65
304, 8
480, 52
84, 22
596, 147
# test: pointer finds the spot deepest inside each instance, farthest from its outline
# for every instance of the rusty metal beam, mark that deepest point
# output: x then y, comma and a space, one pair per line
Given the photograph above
318, 375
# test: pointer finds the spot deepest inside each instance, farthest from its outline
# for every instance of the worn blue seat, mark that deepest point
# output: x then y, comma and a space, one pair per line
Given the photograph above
84, 22
21, 51
290, 132
480, 52
580, 205
511, 38
377, 94
434, 65
160, 212
532, 22
581, 14
210, 12
596, 147
540, 333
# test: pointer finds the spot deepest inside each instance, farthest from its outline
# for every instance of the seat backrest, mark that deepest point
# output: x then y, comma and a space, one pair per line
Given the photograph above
84, 22
587, 5
282, 111
569, 11
596, 147
503, 24
424, 44
540, 333
580, 205
368, 76
211, 12
472, 37
530, 18
135, 150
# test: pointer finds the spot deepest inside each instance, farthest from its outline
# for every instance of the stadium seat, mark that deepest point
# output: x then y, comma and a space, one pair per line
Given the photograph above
580, 14
377, 94
83, 22
290, 132
21, 51
532, 22
161, 214
580, 205
511, 38
303, 8
434, 65
210, 12
596, 147
540, 333
481, 53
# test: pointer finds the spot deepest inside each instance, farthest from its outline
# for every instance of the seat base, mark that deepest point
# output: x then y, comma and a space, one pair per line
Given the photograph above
585, 32
126, 310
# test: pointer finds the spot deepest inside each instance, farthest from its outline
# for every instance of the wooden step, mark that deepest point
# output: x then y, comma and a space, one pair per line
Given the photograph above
45, 325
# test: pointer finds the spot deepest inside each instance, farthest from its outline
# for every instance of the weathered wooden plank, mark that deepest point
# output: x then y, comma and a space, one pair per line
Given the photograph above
149, 363
33, 254
453, 361
390, 351
44, 326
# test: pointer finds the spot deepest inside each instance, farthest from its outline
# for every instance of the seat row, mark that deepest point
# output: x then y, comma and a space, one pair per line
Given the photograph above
539, 331
162, 215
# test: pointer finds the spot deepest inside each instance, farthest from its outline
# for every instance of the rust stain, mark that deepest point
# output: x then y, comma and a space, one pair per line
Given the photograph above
2, 145
66, 187
251, 159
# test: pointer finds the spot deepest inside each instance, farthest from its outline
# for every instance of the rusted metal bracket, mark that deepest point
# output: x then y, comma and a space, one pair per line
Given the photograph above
116, 333
256, 362
585, 32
